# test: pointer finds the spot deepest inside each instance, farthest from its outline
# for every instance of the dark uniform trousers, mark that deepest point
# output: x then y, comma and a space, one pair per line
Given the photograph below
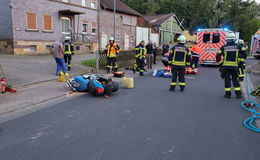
178, 72
140, 64
231, 75
67, 59
111, 63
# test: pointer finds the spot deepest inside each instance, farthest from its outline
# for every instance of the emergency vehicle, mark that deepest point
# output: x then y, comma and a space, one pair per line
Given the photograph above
210, 41
255, 44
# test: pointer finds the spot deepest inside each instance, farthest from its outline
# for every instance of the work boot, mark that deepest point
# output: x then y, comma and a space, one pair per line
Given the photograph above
141, 74
227, 95
238, 94
182, 88
172, 88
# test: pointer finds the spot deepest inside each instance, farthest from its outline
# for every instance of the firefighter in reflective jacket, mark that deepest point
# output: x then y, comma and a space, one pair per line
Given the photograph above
179, 59
68, 51
140, 55
229, 56
195, 52
242, 64
112, 49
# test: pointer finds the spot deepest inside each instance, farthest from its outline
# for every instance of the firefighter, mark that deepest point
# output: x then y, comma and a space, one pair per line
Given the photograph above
112, 49
140, 55
229, 56
242, 64
195, 52
179, 58
68, 51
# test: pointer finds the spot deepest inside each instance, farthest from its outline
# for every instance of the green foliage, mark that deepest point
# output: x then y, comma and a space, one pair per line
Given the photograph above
238, 15
89, 62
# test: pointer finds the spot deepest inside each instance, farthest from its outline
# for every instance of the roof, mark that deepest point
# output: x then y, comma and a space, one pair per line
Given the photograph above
120, 7
157, 20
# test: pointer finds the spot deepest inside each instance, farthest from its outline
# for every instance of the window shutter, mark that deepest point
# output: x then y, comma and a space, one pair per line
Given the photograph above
47, 23
31, 21
94, 25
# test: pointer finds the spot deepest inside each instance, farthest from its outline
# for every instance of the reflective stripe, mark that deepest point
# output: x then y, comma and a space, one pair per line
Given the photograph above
241, 59
173, 84
69, 50
141, 70
219, 51
237, 89
227, 89
181, 84
230, 63
178, 63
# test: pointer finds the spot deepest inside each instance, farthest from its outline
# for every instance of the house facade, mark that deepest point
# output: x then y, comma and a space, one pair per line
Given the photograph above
168, 26
125, 28
131, 27
30, 27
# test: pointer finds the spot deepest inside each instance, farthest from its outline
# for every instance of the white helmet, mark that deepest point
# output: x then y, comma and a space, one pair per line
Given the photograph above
111, 39
67, 38
181, 39
230, 37
241, 41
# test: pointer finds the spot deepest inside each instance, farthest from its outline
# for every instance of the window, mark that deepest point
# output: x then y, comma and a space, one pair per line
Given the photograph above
206, 38
85, 26
216, 38
94, 27
65, 25
94, 4
84, 3
33, 48
94, 31
47, 22
67, 1
31, 21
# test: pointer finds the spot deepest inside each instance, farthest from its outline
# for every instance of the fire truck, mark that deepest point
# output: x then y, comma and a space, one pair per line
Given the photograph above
255, 45
210, 41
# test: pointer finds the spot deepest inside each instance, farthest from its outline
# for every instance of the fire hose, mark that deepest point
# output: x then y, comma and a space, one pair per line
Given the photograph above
251, 106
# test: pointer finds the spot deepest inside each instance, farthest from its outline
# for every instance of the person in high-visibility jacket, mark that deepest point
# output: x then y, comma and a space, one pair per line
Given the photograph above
179, 58
68, 51
140, 55
112, 50
242, 64
195, 52
229, 56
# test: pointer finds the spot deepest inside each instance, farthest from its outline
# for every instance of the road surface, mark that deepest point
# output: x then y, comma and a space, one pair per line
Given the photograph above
145, 123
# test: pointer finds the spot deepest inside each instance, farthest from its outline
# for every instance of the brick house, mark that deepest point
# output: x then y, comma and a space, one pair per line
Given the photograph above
126, 22
30, 26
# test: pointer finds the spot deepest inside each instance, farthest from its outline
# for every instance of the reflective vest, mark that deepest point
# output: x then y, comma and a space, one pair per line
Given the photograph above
112, 51
228, 55
140, 51
180, 55
68, 48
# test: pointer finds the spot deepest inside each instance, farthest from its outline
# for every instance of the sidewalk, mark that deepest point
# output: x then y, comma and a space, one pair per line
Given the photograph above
25, 70
32, 93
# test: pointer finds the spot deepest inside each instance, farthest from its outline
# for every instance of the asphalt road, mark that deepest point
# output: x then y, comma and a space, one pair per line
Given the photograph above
145, 123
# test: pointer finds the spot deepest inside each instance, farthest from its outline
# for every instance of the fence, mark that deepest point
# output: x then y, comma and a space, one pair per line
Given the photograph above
125, 59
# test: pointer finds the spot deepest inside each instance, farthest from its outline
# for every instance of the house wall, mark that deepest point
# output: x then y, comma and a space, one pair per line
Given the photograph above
169, 30
125, 27
25, 41
6, 32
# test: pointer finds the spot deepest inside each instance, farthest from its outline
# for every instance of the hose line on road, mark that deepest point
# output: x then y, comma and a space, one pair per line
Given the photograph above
251, 106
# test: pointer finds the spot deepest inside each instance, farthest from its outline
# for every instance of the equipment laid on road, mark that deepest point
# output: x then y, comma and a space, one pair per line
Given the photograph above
210, 41
119, 74
63, 77
96, 85
5, 84
255, 45
251, 107
128, 82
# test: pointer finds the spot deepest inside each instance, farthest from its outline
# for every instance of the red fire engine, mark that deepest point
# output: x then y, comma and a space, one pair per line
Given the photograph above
210, 41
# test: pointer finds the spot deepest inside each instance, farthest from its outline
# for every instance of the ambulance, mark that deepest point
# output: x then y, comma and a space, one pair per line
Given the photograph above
210, 41
255, 45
